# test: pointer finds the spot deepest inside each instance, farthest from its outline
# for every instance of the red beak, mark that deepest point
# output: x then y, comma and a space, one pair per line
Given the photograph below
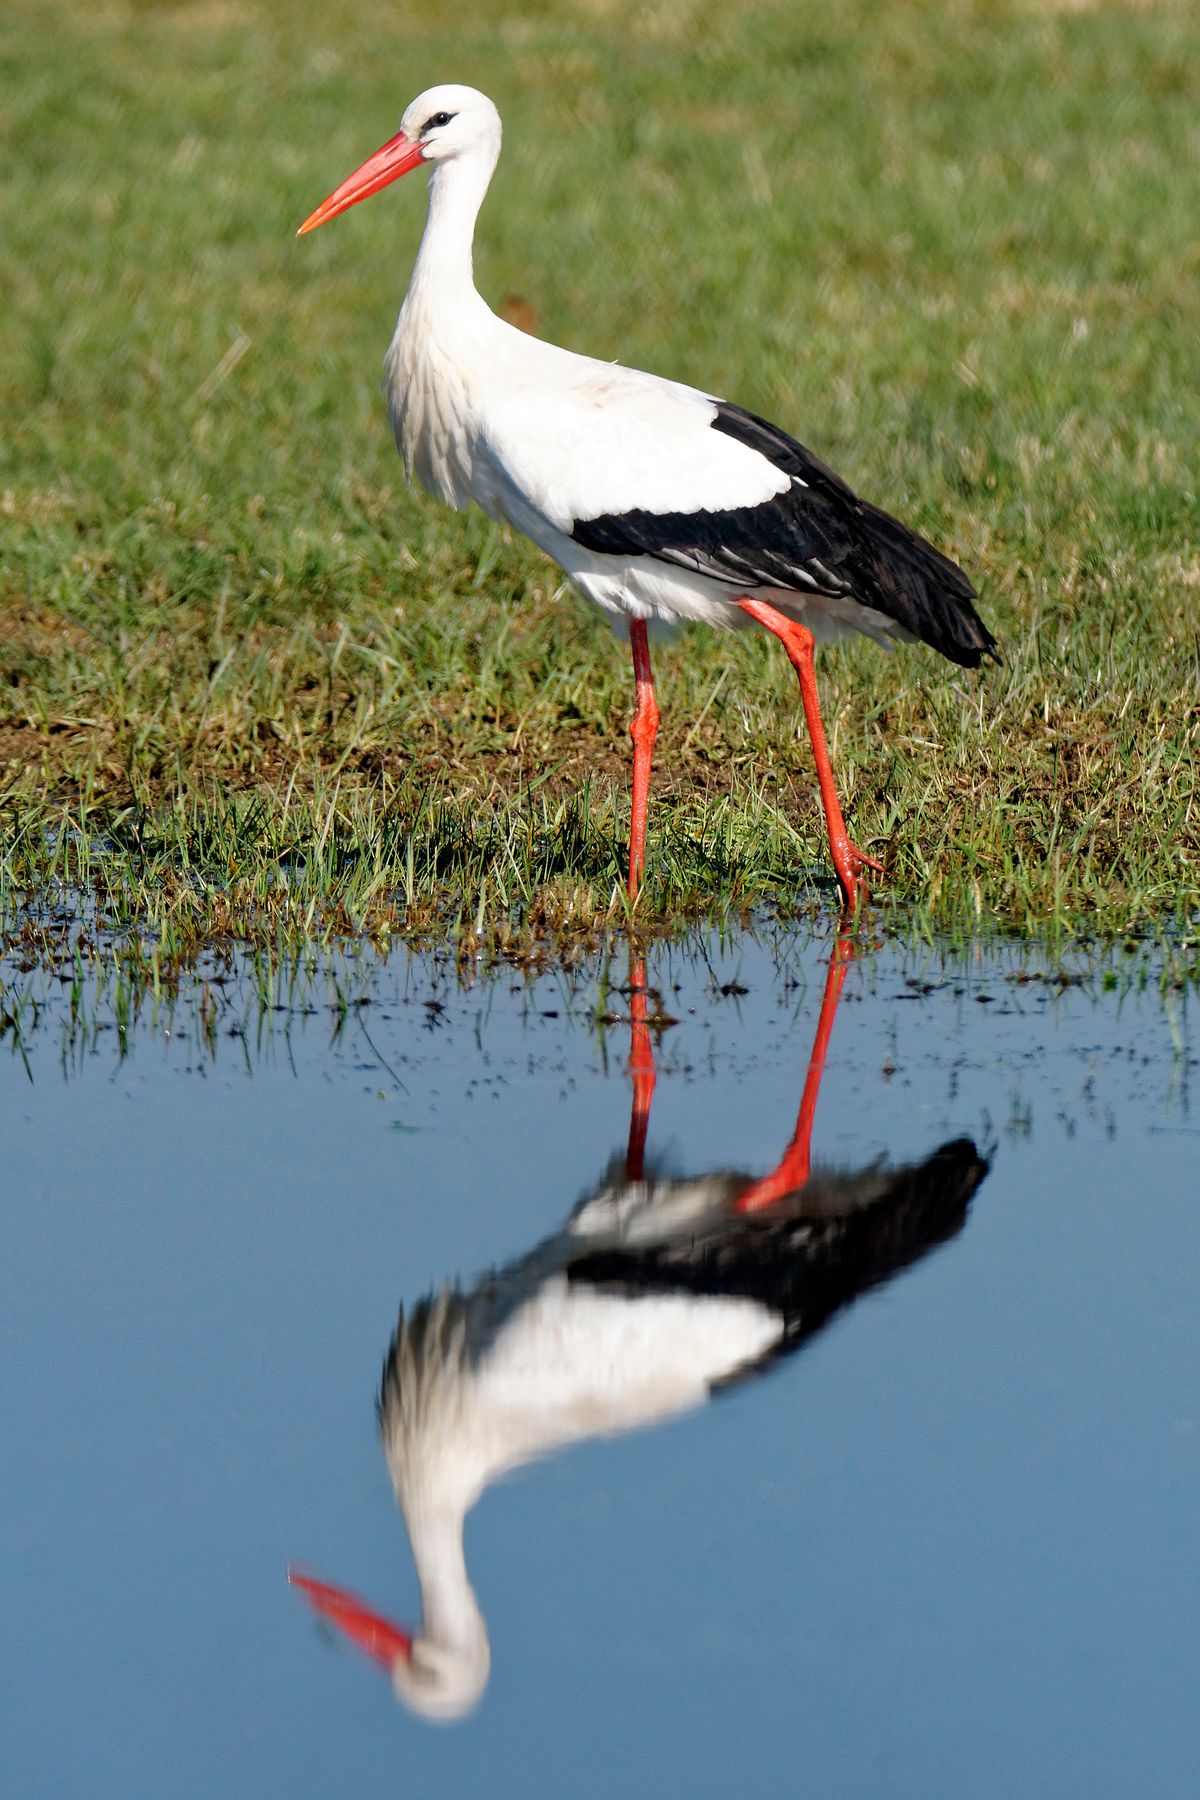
383, 1641
390, 161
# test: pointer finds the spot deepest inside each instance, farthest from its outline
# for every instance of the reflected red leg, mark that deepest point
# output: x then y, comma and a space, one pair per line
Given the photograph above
641, 1068
643, 731
797, 640
794, 1165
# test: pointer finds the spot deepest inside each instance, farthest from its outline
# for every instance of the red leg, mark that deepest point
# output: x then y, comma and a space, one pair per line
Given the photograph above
797, 640
794, 1165
643, 732
641, 1067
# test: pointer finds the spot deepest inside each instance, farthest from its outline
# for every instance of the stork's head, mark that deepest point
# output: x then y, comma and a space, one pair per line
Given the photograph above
441, 1681
440, 125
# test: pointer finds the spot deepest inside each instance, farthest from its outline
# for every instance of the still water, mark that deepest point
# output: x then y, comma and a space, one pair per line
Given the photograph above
810, 1342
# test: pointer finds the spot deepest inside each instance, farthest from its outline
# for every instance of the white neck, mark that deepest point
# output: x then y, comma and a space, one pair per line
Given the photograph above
450, 1611
443, 333
443, 274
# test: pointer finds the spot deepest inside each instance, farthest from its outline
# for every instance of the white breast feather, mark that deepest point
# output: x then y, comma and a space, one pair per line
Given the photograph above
541, 438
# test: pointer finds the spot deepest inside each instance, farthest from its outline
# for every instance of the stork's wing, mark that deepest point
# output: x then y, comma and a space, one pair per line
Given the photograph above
815, 536
629, 466
812, 1254
801, 536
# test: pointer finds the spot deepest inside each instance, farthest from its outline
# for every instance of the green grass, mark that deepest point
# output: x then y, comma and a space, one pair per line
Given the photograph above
250, 685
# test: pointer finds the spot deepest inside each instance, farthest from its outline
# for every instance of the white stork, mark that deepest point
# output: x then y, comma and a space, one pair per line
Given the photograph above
655, 1294
658, 501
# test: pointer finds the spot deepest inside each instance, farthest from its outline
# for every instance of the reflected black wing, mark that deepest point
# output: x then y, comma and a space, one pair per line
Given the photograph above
801, 1265
816, 537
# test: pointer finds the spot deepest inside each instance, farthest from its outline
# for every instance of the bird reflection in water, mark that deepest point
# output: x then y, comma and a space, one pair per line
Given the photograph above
654, 1294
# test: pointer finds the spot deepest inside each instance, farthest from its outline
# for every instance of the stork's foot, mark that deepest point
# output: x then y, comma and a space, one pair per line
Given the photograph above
852, 864
862, 860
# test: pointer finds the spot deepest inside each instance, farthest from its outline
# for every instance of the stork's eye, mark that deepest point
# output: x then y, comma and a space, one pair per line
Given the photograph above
438, 119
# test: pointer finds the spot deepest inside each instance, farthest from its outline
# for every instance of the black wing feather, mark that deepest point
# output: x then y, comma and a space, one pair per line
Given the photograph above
816, 537
804, 1267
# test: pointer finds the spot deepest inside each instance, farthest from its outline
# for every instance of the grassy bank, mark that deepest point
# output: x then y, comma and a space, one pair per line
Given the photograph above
250, 684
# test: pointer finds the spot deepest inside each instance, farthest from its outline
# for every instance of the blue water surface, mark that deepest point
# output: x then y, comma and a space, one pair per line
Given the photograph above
951, 1547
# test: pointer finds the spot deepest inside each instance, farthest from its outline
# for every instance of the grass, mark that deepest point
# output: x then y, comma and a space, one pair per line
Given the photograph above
68, 979
252, 686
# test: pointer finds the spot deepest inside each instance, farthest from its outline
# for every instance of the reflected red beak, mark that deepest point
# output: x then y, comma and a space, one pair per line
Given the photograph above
390, 161
381, 1640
